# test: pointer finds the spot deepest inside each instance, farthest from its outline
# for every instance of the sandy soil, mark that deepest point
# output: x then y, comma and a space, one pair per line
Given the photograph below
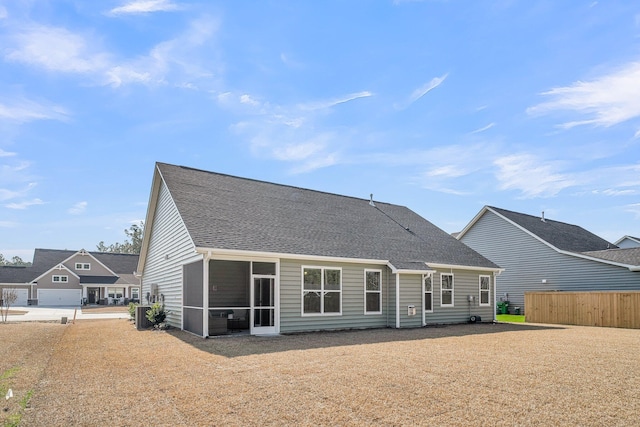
104, 372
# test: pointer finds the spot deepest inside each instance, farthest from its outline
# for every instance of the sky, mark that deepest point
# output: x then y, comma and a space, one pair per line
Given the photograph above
440, 106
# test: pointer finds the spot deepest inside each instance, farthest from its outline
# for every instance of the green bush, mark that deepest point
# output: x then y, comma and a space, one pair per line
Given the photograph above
156, 314
132, 310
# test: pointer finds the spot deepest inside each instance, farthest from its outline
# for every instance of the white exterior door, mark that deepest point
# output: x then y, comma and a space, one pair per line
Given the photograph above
264, 310
59, 297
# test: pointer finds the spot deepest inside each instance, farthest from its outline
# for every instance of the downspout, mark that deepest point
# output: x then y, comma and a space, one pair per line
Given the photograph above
397, 300
205, 296
495, 293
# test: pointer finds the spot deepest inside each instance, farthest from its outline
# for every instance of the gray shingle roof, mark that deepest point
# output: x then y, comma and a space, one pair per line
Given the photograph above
11, 274
45, 259
628, 256
563, 236
226, 212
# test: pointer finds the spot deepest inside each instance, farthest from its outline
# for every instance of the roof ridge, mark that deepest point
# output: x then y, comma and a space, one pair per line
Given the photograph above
277, 184
537, 217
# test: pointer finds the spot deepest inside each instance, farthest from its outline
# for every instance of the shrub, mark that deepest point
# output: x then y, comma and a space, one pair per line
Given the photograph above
156, 314
132, 310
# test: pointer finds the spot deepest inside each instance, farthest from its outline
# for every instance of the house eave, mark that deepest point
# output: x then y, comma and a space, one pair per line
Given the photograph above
237, 253
464, 267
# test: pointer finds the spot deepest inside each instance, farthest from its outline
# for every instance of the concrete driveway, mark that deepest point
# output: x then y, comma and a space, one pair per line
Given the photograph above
57, 313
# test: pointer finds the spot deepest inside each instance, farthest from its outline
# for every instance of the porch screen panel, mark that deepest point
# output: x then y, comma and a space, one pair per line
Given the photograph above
193, 320
192, 284
229, 283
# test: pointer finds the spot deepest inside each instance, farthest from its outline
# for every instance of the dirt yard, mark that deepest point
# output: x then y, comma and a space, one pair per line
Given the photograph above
104, 372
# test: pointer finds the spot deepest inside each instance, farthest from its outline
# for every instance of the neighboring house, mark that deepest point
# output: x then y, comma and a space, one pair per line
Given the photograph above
68, 278
539, 254
628, 242
231, 254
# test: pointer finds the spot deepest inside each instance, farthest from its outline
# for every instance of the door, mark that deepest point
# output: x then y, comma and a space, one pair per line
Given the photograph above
263, 305
93, 295
60, 297
22, 295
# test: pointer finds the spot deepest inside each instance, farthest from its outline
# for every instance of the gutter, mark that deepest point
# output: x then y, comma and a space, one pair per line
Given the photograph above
398, 300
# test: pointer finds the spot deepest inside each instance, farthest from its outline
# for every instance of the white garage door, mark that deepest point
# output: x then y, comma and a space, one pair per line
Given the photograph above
59, 297
23, 295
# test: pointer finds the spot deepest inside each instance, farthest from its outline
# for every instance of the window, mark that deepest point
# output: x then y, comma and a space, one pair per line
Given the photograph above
485, 290
115, 292
428, 293
446, 290
60, 279
372, 292
321, 291
83, 266
135, 293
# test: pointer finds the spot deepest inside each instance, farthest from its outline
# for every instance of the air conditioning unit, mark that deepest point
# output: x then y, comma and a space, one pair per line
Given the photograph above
141, 317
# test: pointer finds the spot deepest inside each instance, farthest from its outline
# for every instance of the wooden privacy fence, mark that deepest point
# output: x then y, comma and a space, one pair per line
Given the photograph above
610, 309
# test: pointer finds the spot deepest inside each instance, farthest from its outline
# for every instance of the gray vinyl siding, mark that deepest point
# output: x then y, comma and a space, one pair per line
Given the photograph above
169, 248
528, 262
291, 319
46, 282
410, 294
465, 283
97, 269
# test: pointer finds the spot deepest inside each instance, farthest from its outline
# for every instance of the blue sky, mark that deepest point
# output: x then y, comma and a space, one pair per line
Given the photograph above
441, 106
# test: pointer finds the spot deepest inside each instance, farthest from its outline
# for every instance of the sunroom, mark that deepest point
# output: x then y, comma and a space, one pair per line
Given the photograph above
230, 297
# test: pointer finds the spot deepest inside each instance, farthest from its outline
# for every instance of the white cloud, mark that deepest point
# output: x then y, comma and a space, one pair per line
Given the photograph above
422, 91
3, 12
78, 208
8, 194
7, 173
604, 101
296, 152
6, 153
56, 49
144, 6
321, 105
290, 133
482, 129
634, 209
179, 60
247, 99
25, 204
530, 175
8, 224
24, 110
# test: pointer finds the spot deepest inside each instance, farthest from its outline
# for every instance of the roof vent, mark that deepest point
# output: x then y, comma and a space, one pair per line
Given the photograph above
371, 200
542, 218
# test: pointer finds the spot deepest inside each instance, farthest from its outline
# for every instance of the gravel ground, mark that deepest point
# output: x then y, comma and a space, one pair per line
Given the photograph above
104, 372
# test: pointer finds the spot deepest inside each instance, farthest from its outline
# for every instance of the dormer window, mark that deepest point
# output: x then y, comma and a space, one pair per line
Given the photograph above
83, 266
60, 279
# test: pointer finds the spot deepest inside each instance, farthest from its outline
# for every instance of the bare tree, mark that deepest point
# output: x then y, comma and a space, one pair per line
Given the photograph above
9, 296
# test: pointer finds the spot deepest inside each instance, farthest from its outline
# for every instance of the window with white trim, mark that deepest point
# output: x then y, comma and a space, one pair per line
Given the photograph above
485, 290
59, 278
83, 266
372, 292
321, 291
115, 292
446, 290
428, 293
